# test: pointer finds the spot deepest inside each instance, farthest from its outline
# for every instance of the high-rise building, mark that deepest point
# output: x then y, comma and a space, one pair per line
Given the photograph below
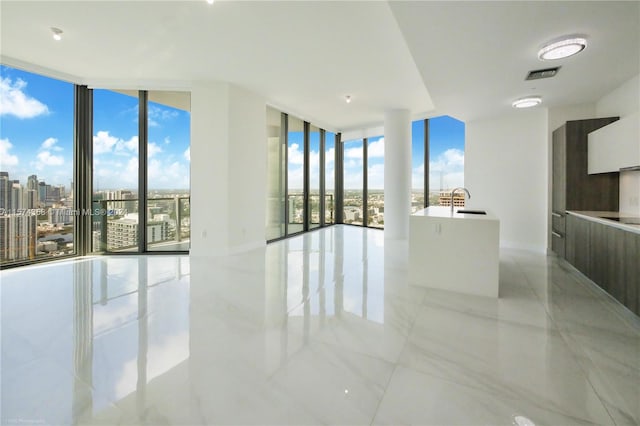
16, 195
32, 185
17, 237
60, 216
5, 190
30, 199
123, 233
42, 191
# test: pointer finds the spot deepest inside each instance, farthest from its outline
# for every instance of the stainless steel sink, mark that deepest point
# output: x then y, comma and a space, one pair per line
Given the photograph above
471, 211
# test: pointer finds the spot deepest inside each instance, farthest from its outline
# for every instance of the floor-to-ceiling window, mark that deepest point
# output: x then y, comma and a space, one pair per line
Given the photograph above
168, 158
115, 171
375, 182
301, 175
418, 166
446, 160
437, 161
276, 175
36, 167
329, 177
295, 175
314, 177
160, 208
354, 182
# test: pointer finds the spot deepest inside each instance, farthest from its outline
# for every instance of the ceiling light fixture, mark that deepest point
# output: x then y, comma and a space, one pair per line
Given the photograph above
563, 48
348, 99
57, 33
210, 1
528, 102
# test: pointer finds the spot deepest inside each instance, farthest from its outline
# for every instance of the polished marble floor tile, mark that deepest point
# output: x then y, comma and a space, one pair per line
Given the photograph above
322, 328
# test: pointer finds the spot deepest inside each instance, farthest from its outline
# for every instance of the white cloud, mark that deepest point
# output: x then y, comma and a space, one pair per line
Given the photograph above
295, 154
157, 114
353, 152
375, 178
153, 149
452, 160
50, 144
447, 170
103, 142
167, 140
376, 149
168, 175
7, 159
45, 158
131, 144
187, 154
13, 100
417, 177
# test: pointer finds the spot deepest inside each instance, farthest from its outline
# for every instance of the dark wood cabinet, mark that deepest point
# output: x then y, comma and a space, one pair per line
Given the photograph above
572, 187
609, 256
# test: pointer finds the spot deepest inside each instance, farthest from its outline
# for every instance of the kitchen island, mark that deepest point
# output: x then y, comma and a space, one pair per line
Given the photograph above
454, 251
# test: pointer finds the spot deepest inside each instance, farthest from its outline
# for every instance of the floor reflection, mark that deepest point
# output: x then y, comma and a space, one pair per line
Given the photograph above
320, 328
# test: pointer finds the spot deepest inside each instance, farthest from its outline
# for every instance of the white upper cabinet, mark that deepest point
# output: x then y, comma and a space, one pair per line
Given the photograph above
615, 146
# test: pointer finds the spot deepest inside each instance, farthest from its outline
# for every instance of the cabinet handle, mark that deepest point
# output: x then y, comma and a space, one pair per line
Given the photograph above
555, 234
556, 214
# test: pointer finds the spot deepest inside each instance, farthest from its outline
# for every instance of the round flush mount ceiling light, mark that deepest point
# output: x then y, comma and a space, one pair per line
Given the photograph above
528, 102
210, 1
562, 48
57, 33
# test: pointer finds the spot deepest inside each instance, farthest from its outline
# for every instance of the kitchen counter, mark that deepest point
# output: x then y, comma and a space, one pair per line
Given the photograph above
607, 218
456, 252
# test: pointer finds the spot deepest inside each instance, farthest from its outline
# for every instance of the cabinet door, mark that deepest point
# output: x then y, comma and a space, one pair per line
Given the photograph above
631, 275
582, 246
559, 170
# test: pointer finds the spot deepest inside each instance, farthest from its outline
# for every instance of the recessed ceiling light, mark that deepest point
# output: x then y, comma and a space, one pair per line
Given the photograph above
57, 33
528, 102
563, 48
347, 99
210, 1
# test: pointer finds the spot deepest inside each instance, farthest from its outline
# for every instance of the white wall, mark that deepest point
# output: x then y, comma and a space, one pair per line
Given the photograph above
228, 166
506, 171
622, 101
247, 169
209, 184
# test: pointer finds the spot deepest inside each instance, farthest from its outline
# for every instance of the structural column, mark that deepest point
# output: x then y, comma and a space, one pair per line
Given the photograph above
397, 173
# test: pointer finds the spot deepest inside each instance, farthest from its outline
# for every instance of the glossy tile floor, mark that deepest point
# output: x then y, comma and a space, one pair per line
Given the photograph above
318, 329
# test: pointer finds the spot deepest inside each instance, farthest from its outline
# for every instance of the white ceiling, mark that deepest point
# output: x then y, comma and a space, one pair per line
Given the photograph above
474, 56
467, 60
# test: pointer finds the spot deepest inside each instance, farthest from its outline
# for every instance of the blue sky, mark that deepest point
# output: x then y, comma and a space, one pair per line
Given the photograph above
446, 142
36, 135
446, 157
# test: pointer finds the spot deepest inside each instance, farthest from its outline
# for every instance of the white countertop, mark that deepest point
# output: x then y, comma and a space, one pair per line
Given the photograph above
445, 212
600, 217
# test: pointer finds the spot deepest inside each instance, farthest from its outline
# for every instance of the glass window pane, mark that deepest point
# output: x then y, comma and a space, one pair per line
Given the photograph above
375, 182
36, 167
417, 165
353, 182
295, 175
446, 160
314, 177
329, 176
115, 170
276, 173
168, 159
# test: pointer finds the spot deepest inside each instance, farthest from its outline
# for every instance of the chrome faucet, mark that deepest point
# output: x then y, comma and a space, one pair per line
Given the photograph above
453, 192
